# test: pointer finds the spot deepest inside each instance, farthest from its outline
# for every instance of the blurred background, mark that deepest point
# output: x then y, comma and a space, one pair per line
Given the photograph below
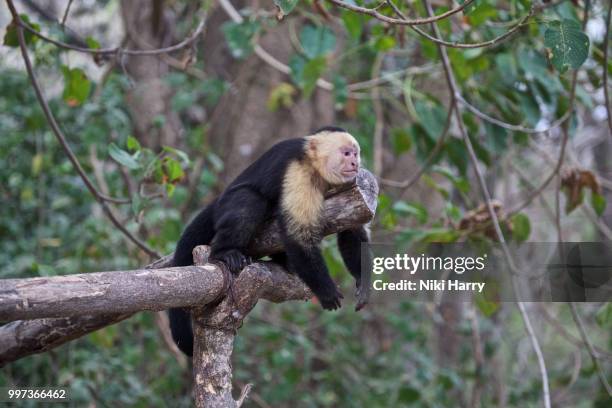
164, 133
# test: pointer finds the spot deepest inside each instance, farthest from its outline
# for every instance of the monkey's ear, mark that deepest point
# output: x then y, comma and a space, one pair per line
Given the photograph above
312, 148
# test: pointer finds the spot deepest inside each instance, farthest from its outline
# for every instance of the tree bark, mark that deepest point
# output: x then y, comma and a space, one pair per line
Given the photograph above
215, 329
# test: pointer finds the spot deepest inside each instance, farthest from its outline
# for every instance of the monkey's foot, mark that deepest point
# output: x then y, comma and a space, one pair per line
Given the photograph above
330, 299
234, 260
363, 296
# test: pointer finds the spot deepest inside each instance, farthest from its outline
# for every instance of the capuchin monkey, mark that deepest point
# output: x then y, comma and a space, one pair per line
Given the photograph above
287, 182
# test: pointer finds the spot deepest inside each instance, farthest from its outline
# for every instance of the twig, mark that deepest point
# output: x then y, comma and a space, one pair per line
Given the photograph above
244, 394
390, 76
559, 396
380, 120
163, 326
98, 170
505, 125
400, 21
478, 358
585, 338
605, 68
116, 50
560, 328
493, 215
63, 23
454, 44
62, 140
572, 305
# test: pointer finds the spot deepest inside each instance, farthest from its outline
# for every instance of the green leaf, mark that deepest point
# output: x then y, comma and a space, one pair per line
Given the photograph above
452, 211
285, 6
401, 140
173, 169
460, 183
431, 116
122, 157
384, 43
569, 46
305, 73
521, 227
353, 22
440, 235
281, 97
170, 189
92, 43
482, 13
317, 41
10, 37
312, 71
76, 86
340, 91
37, 162
598, 202
487, 307
603, 317
415, 209
215, 161
239, 37
472, 6
179, 153
408, 395
133, 144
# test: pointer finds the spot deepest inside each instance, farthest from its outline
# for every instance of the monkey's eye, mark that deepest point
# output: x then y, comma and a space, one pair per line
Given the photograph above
347, 154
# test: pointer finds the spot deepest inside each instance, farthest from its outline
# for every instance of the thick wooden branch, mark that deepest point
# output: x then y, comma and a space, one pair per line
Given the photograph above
215, 329
116, 295
103, 292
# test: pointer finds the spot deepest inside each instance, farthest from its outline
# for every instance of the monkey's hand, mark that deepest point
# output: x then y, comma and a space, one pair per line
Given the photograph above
233, 259
362, 294
330, 298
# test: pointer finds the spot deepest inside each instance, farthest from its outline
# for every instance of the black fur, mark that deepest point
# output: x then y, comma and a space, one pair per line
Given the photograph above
329, 129
349, 244
229, 222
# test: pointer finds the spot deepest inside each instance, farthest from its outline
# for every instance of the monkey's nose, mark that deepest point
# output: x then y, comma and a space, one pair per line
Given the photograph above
353, 164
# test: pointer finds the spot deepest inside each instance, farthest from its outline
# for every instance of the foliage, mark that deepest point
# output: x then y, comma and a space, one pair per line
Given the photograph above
388, 355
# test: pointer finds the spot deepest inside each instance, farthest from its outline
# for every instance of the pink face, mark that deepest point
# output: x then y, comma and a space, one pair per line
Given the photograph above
349, 162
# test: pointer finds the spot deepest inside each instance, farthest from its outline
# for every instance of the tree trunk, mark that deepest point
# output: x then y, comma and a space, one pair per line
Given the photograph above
155, 123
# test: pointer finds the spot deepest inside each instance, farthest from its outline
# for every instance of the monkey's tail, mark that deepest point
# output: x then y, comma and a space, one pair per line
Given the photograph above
199, 232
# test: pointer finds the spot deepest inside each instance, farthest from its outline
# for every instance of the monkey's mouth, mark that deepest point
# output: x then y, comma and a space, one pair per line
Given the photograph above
349, 173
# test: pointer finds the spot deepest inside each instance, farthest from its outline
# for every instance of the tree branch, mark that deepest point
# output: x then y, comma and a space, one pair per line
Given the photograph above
114, 50
453, 44
400, 21
343, 209
605, 68
214, 330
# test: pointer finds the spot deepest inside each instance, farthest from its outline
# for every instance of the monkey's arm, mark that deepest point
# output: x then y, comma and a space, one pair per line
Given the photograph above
309, 265
355, 250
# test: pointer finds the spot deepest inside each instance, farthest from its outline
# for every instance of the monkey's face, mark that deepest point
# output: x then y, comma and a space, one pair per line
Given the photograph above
343, 164
335, 155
